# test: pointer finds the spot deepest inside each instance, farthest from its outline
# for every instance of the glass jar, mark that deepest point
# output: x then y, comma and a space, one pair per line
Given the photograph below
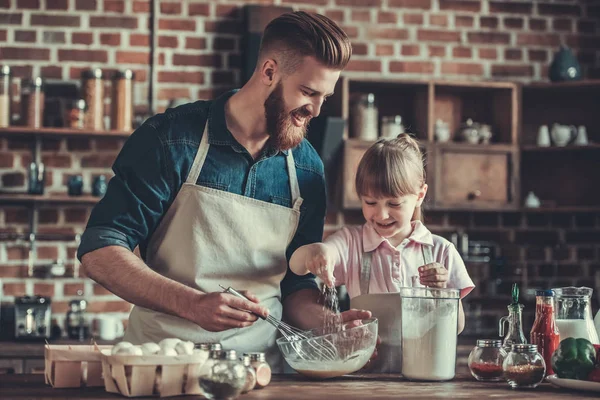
262, 369
208, 346
92, 89
485, 360
32, 99
391, 126
77, 328
5, 96
364, 117
75, 117
122, 100
225, 378
524, 366
250, 374
574, 313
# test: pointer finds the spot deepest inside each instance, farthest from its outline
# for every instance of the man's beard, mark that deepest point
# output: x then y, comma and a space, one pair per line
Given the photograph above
284, 135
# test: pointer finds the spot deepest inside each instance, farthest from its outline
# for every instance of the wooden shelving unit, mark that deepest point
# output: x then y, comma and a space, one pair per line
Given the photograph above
23, 198
59, 132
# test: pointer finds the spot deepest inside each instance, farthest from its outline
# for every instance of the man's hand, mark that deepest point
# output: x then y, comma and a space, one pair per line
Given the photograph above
221, 311
433, 275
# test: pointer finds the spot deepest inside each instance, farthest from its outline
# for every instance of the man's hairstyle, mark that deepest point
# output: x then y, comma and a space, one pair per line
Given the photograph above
292, 36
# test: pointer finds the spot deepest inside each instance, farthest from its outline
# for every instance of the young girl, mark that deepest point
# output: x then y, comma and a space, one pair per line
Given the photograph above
393, 246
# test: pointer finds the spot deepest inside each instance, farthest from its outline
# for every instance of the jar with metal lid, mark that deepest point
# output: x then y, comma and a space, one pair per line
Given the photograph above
122, 100
75, 117
262, 368
524, 366
226, 377
32, 99
250, 374
92, 89
77, 328
364, 117
485, 360
5, 96
208, 346
391, 126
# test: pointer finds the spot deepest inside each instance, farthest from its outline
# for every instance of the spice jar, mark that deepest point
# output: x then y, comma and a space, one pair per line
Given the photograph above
5, 96
364, 117
391, 127
122, 100
77, 328
485, 360
250, 374
524, 366
75, 117
32, 98
262, 369
226, 377
207, 346
92, 88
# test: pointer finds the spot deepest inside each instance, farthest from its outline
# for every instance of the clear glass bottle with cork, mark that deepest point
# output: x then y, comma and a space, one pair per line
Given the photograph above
514, 334
5, 96
92, 89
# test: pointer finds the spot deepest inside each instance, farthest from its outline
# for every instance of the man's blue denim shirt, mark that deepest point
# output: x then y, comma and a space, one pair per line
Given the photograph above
154, 164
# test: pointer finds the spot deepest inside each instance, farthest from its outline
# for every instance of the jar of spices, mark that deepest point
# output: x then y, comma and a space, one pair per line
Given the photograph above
391, 126
262, 368
226, 377
250, 374
485, 360
32, 99
92, 88
122, 100
75, 117
364, 117
207, 346
5, 96
524, 366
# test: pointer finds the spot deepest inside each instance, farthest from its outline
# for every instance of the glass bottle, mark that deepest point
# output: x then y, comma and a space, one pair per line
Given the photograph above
514, 335
122, 100
76, 326
33, 103
226, 377
250, 374
524, 366
92, 88
544, 332
391, 127
364, 117
485, 360
574, 313
5, 96
75, 117
262, 368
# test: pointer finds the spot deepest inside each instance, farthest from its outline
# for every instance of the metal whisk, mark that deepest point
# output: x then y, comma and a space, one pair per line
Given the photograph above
315, 349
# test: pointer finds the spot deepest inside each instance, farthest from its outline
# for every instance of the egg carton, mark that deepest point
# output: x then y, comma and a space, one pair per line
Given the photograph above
73, 365
153, 375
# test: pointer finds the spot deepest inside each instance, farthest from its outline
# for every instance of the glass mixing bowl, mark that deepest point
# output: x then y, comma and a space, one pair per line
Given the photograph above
332, 354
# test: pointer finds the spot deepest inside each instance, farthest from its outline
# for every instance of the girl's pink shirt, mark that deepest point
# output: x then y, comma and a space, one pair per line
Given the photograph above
392, 267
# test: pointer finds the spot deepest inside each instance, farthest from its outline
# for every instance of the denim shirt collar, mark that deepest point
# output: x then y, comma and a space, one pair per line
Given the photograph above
219, 134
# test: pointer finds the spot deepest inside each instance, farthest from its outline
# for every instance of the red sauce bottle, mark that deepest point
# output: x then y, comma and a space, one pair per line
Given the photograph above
545, 332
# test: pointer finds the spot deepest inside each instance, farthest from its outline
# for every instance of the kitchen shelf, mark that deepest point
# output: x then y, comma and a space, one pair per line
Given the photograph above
59, 198
554, 149
59, 132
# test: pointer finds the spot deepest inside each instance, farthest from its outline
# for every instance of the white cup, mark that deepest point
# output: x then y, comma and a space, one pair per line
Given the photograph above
109, 327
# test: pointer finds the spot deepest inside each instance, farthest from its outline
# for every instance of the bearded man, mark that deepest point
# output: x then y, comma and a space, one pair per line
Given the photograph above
221, 193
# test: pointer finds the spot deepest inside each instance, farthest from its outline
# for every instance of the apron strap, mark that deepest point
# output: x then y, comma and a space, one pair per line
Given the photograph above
427, 254
365, 272
294, 187
200, 157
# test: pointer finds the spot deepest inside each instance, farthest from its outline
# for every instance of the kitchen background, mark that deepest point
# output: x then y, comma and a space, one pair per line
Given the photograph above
196, 50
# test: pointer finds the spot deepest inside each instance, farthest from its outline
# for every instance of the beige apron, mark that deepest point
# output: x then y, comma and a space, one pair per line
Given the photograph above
210, 237
387, 308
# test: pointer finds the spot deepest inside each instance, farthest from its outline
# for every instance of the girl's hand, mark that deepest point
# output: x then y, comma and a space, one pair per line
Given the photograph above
433, 275
320, 263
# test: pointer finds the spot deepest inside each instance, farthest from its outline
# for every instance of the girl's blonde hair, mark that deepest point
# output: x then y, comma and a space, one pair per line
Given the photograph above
392, 168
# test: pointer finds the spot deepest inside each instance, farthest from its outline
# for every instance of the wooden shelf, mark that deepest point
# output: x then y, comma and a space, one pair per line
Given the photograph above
24, 198
557, 209
586, 83
554, 149
478, 147
59, 132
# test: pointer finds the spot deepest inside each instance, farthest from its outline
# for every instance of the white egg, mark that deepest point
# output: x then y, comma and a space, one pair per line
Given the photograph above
184, 348
120, 345
130, 351
167, 351
150, 348
168, 343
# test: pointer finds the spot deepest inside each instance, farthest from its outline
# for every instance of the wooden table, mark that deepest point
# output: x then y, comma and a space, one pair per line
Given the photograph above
294, 387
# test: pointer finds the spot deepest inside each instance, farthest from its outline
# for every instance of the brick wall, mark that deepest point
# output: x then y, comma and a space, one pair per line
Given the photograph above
198, 56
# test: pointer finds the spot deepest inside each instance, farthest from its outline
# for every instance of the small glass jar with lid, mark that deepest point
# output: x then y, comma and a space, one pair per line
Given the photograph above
32, 99
5, 96
225, 378
250, 374
391, 126
92, 89
75, 117
485, 360
262, 368
364, 117
121, 117
524, 366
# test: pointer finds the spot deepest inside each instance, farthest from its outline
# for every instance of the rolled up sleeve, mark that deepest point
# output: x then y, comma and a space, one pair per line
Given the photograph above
137, 196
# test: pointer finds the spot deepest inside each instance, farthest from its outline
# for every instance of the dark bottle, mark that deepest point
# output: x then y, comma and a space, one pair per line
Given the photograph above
77, 328
99, 186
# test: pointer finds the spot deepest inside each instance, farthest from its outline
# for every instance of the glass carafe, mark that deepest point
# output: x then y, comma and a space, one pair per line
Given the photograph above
574, 313
514, 334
